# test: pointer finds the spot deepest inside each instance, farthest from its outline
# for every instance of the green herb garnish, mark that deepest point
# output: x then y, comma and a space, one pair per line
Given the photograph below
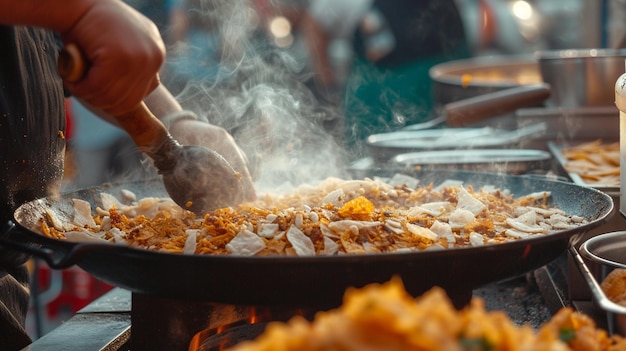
478, 344
567, 334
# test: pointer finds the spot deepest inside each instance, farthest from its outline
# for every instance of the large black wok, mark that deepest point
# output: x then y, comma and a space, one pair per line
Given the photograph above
305, 281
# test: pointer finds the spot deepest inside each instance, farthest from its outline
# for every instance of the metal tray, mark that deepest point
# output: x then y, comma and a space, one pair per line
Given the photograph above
556, 148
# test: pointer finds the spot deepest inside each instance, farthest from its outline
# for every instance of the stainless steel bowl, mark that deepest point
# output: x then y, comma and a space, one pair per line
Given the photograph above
595, 259
608, 249
581, 77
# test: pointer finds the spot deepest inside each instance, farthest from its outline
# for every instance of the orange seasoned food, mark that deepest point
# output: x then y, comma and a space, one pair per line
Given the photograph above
359, 208
614, 286
335, 217
386, 317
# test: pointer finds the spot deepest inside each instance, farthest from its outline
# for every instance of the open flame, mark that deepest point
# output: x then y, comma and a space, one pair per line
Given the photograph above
236, 327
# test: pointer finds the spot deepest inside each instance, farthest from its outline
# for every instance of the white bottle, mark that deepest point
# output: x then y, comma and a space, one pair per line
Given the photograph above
620, 102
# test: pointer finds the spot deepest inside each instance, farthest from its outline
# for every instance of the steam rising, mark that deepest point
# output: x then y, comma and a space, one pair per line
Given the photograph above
259, 94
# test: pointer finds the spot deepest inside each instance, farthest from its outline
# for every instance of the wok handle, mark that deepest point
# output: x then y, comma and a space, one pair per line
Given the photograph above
57, 259
481, 107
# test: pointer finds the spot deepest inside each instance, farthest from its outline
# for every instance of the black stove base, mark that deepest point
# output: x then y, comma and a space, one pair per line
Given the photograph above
105, 325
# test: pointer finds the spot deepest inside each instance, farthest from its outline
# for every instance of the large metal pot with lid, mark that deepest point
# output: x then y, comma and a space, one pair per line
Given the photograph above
462, 79
581, 77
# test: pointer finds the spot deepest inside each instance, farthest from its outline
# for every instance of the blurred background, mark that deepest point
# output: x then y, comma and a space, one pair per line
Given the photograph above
281, 66
279, 75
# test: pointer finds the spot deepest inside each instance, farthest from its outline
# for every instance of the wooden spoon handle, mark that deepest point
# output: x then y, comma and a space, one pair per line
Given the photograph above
478, 108
144, 128
71, 65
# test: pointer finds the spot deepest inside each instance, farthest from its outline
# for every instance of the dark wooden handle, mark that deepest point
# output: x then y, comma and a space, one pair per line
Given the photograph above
71, 65
478, 108
140, 123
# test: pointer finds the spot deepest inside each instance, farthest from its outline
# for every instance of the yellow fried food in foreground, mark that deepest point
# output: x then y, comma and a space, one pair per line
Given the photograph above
386, 317
614, 286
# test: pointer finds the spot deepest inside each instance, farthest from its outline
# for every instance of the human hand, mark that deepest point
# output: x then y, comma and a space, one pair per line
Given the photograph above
193, 132
125, 52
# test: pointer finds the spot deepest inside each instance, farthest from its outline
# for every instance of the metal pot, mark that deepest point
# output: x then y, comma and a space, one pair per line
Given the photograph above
581, 77
305, 281
577, 77
462, 79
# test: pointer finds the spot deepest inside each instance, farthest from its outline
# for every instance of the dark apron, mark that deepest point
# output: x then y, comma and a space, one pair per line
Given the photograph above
32, 127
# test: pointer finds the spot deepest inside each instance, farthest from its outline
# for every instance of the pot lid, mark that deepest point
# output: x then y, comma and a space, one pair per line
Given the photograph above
453, 138
475, 156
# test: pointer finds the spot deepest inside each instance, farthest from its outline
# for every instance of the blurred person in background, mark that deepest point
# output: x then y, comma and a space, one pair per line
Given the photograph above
125, 52
194, 42
156, 10
285, 23
617, 24
260, 91
329, 27
395, 43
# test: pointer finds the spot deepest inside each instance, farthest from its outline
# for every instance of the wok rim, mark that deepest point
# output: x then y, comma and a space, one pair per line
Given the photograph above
322, 280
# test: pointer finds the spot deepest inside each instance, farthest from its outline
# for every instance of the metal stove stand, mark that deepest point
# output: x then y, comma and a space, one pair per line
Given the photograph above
105, 324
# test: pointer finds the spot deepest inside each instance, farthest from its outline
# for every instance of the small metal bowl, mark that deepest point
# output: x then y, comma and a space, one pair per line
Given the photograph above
607, 249
596, 258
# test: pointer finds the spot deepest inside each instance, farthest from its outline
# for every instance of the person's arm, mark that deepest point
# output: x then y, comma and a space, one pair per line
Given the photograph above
317, 42
124, 48
178, 24
124, 52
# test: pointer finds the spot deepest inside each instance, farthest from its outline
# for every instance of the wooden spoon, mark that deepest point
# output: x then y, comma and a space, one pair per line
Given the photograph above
196, 178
